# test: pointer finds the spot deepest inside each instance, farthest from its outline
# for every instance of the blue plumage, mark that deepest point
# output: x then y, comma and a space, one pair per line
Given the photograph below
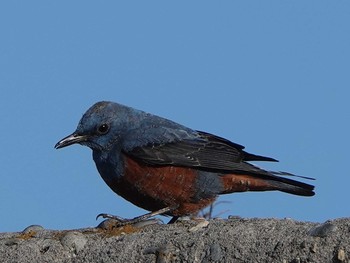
156, 163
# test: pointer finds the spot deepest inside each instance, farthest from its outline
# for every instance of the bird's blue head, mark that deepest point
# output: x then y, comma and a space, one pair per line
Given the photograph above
102, 126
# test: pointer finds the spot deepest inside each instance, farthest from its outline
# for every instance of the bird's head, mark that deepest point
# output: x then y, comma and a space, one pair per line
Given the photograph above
100, 127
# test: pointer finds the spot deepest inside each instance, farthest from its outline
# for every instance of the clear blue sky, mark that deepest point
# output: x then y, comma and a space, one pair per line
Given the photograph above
271, 75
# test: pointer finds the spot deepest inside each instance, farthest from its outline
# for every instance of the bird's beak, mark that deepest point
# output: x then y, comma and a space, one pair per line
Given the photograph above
71, 139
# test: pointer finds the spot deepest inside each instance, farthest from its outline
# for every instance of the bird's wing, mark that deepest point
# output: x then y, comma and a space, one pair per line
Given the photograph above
195, 149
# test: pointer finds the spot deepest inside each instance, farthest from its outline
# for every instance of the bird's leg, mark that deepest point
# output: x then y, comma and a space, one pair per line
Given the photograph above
173, 220
124, 221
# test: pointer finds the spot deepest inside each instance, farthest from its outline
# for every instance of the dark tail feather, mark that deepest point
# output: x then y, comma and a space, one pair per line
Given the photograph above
290, 174
249, 157
292, 186
277, 180
264, 182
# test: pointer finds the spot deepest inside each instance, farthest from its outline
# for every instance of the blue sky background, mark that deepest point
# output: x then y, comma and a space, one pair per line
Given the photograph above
271, 75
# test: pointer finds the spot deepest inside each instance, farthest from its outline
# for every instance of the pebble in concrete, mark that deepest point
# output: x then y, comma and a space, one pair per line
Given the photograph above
322, 230
74, 241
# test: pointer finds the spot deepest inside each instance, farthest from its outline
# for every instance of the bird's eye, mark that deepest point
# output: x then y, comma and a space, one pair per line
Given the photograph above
103, 129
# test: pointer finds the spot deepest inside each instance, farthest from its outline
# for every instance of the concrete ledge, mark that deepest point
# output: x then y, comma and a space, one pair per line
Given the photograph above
231, 240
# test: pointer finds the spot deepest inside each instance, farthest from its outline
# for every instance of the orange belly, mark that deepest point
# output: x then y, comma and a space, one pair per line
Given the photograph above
154, 188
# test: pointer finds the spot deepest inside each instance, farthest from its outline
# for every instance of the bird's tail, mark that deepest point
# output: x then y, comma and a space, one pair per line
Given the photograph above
265, 182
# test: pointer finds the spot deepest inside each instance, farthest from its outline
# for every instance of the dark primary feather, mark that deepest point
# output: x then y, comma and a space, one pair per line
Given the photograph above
216, 141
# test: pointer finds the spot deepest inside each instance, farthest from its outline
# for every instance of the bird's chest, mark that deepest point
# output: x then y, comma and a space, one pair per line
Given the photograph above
154, 188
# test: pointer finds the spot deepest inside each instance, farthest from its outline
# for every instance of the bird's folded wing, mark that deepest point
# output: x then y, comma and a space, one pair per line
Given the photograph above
201, 151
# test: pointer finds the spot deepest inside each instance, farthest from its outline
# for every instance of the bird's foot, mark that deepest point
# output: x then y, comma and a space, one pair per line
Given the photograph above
120, 221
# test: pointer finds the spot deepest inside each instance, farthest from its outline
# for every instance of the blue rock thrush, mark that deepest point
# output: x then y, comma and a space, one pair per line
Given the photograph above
167, 168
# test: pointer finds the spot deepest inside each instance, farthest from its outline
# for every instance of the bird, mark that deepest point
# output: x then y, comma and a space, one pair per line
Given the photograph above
167, 168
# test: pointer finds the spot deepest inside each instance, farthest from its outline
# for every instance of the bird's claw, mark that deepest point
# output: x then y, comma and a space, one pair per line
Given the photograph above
109, 216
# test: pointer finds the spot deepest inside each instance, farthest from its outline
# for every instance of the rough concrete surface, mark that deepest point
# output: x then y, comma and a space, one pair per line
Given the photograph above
232, 240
